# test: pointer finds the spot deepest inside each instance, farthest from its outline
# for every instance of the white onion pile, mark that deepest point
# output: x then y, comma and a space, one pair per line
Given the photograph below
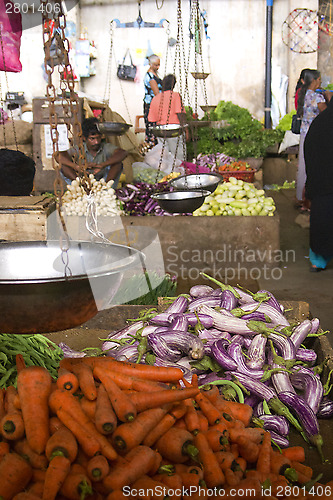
75, 199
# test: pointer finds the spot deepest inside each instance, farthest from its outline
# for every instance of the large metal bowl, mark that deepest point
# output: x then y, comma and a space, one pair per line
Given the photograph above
113, 128
166, 131
181, 202
207, 181
39, 293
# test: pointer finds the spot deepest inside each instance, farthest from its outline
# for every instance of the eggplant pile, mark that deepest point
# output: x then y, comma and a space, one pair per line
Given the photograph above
238, 340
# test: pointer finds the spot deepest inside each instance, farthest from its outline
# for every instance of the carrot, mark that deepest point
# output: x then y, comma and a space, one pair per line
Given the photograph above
176, 445
254, 434
34, 387
23, 448
77, 485
4, 448
2, 403
248, 449
36, 488
239, 411
88, 442
278, 461
55, 424
147, 372
213, 474
127, 382
278, 485
38, 475
12, 425
264, 457
19, 362
164, 425
225, 459
148, 487
195, 469
217, 440
86, 380
306, 470
190, 480
55, 476
139, 461
26, 495
122, 404
294, 453
63, 399
15, 474
203, 422
89, 407
145, 400
117, 495
105, 417
211, 392
180, 424
231, 478
191, 417
67, 380
97, 468
173, 482
130, 434
62, 443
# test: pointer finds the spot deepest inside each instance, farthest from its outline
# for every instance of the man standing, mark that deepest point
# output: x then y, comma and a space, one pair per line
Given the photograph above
104, 160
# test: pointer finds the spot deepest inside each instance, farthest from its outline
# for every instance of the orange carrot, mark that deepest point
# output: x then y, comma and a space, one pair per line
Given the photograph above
36, 488
278, 461
264, 456
55, 424
67, 380
145, 400
231, 478
225, 459
97, 468
139, 461
203, 421
105, 417
34, 387
86, 380
122, 404
248, 449
176, 445
254, 434
207, 408
191, 417
38, 475
217, 440
213, 474
77, 485
15, 474
62, 443
294, 453
173, 482
195, 469
148, 487
190, 480
55, 476
26, 495
89, 407
148, 372
211, 392
4, 448
23, 448
12, 425
88, 442
164, 425
239, 411
117, 495
2, 403
306, 470
130, 434
63, 399
20, 363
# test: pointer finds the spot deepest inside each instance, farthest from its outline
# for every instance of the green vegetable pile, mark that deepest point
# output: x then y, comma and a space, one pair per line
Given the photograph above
285, 122
35, 349
244, 137
166, 287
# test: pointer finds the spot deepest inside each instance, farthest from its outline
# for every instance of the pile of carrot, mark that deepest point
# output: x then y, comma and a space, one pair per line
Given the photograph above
106, 429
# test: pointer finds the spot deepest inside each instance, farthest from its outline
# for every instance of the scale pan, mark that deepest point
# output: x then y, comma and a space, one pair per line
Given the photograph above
37, 295
169, 130
199, 76
113, 128
180, 202
207, 181
206, 108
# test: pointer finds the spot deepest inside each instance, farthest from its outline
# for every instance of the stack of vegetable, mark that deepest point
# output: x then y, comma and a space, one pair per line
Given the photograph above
239, 339
112, 430
136, 198
237, 197
76, 201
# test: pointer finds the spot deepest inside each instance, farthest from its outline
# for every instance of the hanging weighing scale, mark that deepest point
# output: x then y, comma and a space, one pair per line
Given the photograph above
48, 286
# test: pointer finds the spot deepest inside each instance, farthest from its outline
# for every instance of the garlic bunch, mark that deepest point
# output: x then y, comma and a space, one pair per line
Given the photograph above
75, 200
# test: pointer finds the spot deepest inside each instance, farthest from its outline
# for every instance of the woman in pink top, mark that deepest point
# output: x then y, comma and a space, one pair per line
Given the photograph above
164, 109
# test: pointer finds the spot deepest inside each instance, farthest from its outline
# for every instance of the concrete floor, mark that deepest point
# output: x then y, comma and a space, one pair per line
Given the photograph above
297, 283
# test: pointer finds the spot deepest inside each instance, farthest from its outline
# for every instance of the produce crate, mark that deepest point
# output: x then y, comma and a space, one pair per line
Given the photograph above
245, 175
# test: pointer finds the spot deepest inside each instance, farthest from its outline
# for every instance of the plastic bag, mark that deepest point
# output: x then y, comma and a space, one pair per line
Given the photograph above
11, 32
168, 164
288, 141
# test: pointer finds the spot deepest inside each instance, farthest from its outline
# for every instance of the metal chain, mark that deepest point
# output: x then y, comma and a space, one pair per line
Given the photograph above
107, 90
7, 86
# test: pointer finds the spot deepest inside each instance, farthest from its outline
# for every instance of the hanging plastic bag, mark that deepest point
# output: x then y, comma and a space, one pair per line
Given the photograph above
168, 163
10, 33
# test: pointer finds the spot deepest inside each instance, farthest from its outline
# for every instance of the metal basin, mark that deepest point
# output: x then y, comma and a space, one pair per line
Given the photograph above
166, 131
207, 181
39, 294
206, 108
181, 202
113, 128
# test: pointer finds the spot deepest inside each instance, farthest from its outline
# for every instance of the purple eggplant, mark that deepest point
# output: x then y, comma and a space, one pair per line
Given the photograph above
300, 332
304, 379
176, 341
204, 301
236, 353
220, 354
127, 330
163, 362
244, 297
325, 408
200, 290
161, 349
229, 301
285, 347
178, 306
276, 317
179, 322
306, 416
227, 323
256, 352
212, 334
161, 319
275, 423
69, 352
315, 323
272, 301
194, 318
306, 355
125, 353
281, 441
237, 339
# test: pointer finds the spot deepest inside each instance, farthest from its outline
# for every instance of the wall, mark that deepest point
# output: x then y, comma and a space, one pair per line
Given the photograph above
234, 55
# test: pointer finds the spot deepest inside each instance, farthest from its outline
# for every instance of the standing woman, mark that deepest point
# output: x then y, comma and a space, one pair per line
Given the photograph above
318, 153
310, 104
153, 85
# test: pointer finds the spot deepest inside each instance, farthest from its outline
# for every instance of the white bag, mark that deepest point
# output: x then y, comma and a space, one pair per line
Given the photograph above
168, 164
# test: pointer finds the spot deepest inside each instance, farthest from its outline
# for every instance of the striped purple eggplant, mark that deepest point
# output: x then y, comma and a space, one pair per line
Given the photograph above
305, 380
194, 318
200, 290
229, 301
226, 323
256, 355
210, 301
300, 332
236, 353
306, 355
281, 441
220, 354
325, 408
276, 317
